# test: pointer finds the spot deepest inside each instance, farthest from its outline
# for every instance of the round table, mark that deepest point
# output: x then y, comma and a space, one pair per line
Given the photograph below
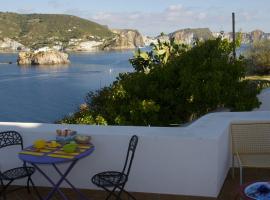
53, 157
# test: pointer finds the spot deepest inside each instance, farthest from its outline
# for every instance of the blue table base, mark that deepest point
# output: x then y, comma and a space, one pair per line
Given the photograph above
56, 186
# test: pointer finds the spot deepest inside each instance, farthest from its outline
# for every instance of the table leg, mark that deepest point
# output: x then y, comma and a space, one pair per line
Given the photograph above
70, 184
48, 179
56, 187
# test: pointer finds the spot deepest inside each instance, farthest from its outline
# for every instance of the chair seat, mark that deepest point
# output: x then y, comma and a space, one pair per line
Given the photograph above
109, 179
17, 173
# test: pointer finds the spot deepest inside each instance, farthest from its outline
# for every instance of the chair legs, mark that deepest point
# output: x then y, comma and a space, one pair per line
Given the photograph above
120, 192
28, 187
241, 175
34, 187
3, 191
240, 170
111, 193
232, 166
117, 196
129, 195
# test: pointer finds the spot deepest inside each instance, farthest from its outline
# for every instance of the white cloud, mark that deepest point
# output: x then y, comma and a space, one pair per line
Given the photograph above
170, 19
175, 8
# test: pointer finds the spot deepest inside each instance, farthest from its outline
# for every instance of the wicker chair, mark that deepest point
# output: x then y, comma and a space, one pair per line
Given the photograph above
117, 180
13, 138
250, 145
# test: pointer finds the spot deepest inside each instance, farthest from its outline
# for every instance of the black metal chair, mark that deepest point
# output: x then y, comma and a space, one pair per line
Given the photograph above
13, 138
114, 179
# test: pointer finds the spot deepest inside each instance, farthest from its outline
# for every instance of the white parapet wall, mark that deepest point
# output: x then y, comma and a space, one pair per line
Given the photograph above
192, 160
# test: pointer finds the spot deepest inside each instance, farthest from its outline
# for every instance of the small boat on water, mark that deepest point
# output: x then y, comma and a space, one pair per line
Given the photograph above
4, 63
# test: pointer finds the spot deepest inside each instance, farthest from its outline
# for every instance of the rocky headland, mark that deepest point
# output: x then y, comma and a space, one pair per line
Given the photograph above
124, 39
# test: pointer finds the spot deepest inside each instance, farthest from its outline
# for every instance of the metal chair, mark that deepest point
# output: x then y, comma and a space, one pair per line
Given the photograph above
13, 138
250, 145
117, 180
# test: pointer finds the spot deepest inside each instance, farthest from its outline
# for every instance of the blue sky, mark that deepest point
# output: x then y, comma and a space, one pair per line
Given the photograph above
154, 16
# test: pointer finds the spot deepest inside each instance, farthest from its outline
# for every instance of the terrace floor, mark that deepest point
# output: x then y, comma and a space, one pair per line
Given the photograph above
229, 190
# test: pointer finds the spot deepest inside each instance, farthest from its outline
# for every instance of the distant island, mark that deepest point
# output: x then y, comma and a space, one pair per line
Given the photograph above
189, 36
58, 32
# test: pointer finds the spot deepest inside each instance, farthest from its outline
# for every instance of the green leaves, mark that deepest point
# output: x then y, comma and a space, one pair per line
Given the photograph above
258, 58
173, 84
160, 55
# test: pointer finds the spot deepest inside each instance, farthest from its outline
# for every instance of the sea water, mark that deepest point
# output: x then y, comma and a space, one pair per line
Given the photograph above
48, 93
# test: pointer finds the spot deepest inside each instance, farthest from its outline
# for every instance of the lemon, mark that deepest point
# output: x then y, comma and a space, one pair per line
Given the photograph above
40, 144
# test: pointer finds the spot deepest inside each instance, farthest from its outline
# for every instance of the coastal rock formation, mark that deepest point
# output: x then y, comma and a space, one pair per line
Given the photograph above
163, 38
43, 58
183, 37
9, 45
125, 39
247, 37
188, 36
256, 35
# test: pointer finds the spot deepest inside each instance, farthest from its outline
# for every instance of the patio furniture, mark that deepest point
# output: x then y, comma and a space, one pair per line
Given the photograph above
250, 145
114, 179
54, 156
7, 139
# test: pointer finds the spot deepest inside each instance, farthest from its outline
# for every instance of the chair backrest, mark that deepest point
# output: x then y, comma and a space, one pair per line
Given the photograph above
130, 154
10, 138
250, 138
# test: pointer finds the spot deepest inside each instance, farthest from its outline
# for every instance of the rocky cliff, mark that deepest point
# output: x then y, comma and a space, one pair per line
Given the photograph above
43, 58
247, 37
187, 36
9, 45
124, 39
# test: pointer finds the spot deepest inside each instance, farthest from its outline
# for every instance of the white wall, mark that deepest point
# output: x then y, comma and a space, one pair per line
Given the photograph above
193, 160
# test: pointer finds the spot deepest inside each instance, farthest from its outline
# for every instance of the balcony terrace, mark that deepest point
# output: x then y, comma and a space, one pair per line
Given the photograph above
170, 163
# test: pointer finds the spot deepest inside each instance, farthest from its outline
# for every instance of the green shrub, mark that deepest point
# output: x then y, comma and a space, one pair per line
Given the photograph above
258, 57
176, 86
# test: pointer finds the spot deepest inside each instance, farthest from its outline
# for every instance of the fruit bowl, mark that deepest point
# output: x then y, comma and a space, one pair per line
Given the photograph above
65, 136
82, 139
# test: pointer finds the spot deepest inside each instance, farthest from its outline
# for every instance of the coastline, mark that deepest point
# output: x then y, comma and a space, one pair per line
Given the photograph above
84, 52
